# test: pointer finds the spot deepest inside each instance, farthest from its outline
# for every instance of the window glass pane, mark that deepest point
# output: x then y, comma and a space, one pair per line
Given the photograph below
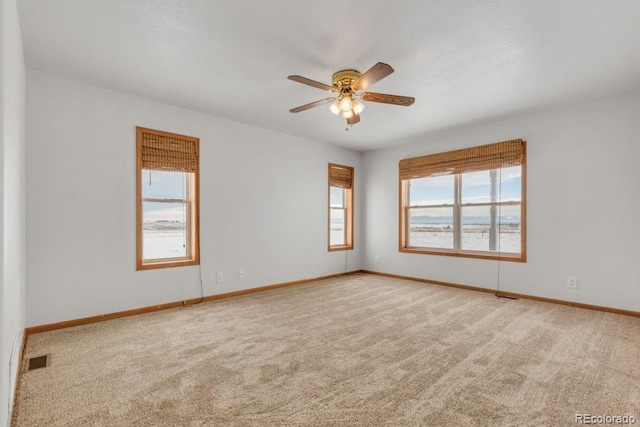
431, 228
164, 185
476, 229
337, 197
164, 230
434, 190
337, 234
476, 187
510, 231
479, 235
510, 180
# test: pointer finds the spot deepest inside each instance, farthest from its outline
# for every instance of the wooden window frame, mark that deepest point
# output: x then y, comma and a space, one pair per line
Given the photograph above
192, 202
403, 228
348, 208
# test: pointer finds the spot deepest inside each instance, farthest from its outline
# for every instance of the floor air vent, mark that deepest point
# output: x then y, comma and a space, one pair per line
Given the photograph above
38, 362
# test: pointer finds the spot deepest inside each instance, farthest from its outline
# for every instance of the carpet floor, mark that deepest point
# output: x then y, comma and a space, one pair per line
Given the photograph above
360, 350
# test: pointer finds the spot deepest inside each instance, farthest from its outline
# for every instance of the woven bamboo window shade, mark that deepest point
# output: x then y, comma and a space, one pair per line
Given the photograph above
485, 157
168, 152
340, 176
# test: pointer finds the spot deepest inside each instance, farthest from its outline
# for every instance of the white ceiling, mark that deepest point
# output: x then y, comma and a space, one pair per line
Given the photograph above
463, 61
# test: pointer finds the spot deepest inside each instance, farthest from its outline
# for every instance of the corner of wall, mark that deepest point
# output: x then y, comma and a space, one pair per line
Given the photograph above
12, 218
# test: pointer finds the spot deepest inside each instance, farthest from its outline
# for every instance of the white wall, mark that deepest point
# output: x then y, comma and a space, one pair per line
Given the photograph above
583, 199
263, 204
270, 217
12, 229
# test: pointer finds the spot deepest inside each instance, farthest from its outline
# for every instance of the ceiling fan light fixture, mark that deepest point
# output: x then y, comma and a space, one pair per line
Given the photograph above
346, 103
347, 114
347, 87
335, 107
358, 107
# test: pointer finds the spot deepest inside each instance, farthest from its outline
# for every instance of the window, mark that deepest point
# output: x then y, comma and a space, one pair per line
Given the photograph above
468, 202
167, 199
340, 207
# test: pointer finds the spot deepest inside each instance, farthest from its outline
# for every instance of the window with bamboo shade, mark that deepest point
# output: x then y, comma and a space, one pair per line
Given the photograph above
340, 207
469, 202
167, 174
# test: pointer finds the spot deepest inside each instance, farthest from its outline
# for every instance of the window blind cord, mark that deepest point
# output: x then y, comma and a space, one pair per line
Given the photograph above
184, 213
184, 190
346, 255
498, 294
201, 286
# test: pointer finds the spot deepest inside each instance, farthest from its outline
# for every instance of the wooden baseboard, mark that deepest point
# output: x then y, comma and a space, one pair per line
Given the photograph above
510, 294
149, 309
276, 286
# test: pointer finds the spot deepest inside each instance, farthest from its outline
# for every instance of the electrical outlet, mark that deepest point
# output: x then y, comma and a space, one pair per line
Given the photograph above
219, 277
572, 282
377, 260
241, 274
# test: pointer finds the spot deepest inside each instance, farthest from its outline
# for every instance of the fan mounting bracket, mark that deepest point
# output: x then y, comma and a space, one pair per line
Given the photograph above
344, 79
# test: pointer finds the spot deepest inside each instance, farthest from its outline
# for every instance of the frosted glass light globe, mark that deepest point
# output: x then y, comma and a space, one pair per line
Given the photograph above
335, 107
345, 104
358, 107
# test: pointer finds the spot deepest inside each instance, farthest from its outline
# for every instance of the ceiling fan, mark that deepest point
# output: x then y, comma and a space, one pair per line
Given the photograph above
348, 84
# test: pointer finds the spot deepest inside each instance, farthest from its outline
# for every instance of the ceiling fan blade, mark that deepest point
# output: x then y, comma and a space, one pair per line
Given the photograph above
353, 119
372, 75
311, 105
388, 99
313, 83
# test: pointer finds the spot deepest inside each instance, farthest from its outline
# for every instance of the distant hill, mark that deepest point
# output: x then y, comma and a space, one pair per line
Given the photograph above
468, 220
164, 225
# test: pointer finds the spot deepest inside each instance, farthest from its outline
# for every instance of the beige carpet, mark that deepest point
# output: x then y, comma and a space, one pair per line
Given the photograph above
360, 350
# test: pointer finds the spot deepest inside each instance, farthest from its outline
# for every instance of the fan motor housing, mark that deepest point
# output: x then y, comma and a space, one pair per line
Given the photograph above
344, 79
